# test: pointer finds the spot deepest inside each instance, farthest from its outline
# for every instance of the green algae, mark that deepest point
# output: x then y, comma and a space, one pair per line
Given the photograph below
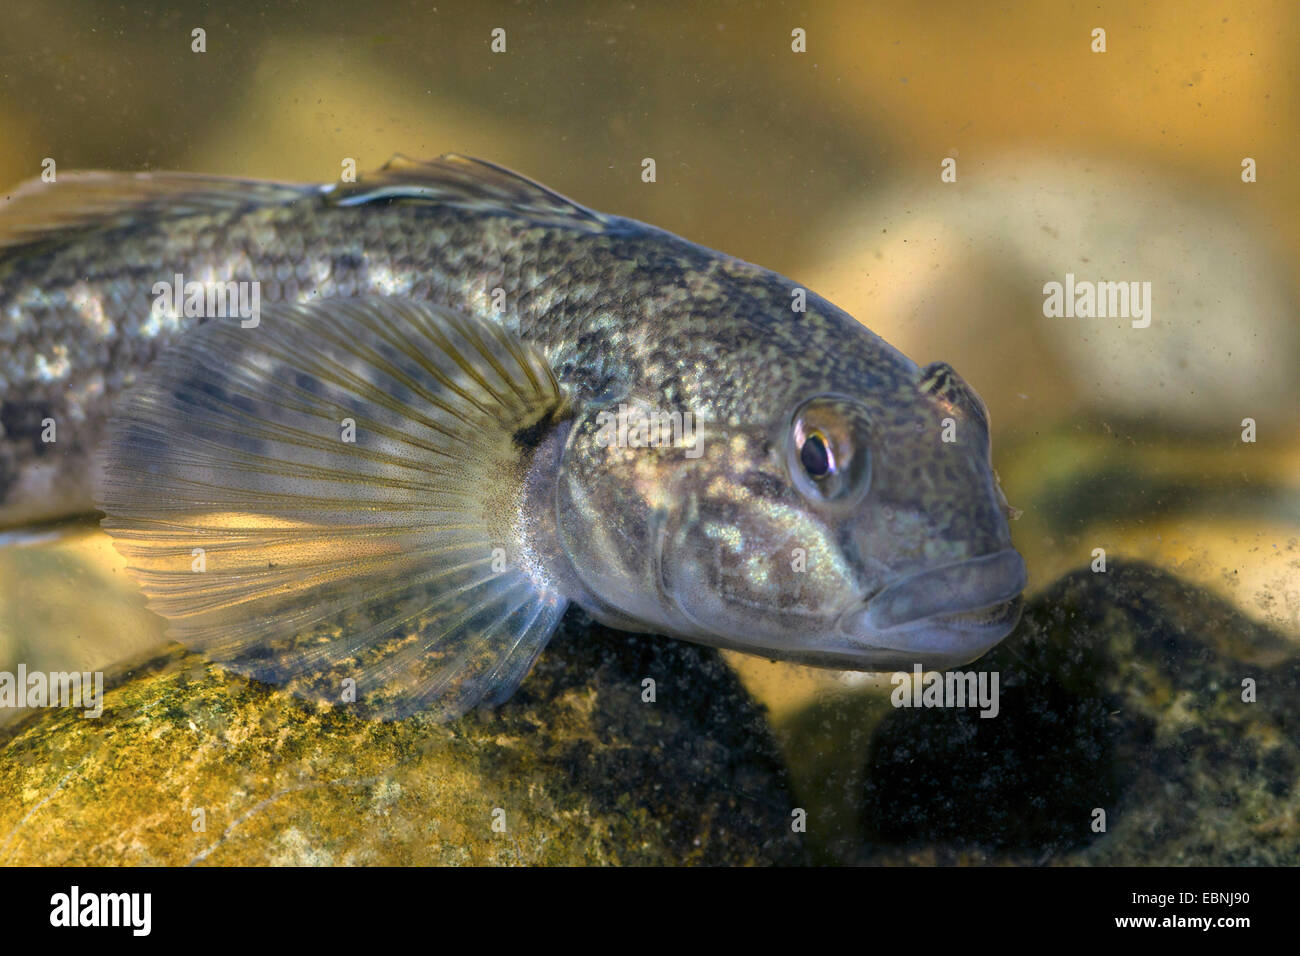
576, 769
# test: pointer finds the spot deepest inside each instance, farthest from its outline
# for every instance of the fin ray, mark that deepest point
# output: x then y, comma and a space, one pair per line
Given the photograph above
471, 184
82, 201
324, 559
85, 200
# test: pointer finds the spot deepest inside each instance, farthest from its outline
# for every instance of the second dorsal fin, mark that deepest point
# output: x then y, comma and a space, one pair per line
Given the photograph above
80, 202
86, 201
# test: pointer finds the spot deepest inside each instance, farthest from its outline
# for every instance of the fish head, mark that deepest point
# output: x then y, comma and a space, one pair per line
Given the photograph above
854, 523
855, 529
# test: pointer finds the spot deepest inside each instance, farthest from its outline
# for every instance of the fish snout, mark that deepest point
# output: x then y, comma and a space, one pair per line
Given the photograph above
959, 588
942, 615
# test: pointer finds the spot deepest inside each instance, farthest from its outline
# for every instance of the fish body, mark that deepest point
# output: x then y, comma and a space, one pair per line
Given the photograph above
78, 324
467, 403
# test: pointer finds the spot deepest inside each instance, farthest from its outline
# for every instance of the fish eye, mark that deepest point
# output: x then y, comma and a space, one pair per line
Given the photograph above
829, 449
815, 456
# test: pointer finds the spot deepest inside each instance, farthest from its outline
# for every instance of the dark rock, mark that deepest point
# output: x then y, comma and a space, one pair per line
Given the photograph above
1119, 691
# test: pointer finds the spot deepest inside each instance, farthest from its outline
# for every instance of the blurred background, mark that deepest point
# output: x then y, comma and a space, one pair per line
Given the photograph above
823, 165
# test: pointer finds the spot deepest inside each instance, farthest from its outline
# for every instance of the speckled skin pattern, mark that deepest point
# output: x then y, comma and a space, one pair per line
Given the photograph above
629, 301
621, 310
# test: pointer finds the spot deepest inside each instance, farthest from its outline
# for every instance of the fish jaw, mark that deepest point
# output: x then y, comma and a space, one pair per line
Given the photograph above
940, 617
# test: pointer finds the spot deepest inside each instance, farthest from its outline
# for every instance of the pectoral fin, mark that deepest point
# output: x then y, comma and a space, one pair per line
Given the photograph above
328, 501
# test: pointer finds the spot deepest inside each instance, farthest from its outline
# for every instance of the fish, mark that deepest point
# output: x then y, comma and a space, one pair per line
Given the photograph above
464, 404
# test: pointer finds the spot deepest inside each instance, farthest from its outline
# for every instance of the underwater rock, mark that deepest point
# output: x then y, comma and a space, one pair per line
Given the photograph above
1120, 692
189, 764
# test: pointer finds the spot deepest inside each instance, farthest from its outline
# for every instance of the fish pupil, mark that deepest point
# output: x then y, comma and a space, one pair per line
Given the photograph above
815, 456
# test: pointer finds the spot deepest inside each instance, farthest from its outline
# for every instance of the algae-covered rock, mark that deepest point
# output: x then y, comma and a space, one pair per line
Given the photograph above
189, 764
1126, 692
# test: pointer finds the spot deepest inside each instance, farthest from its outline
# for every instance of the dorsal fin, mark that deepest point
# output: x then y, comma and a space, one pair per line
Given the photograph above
466, 183
80, 202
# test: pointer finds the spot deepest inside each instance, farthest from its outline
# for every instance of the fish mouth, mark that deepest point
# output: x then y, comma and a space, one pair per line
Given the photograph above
994, 615
952, 613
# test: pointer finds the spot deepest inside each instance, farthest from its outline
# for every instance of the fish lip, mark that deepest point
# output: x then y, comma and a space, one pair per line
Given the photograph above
938, 642
974, 594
